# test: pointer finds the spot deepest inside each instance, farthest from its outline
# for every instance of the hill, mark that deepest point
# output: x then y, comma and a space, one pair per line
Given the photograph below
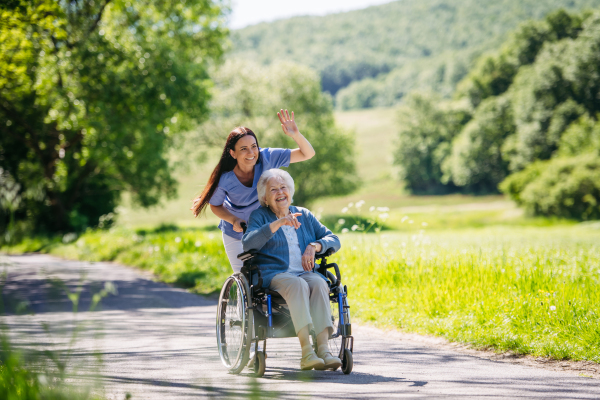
374, 56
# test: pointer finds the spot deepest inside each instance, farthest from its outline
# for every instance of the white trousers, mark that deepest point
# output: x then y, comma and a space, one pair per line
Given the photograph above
307, 297
233, 247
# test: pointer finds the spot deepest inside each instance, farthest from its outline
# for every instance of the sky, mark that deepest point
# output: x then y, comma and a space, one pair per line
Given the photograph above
250, 12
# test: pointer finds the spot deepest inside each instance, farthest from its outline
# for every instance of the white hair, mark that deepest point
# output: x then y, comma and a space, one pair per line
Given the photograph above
261, 187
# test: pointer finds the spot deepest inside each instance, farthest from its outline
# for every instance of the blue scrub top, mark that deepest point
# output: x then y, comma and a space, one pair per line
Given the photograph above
241, 200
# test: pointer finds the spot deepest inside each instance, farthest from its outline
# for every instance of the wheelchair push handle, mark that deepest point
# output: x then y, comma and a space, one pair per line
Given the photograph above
244, 226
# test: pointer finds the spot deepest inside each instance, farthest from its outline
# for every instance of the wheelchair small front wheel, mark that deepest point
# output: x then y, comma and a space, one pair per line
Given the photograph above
347, 362
259, 364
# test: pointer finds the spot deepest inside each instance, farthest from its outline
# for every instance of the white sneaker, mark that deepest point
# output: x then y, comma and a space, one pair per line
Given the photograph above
311, 361
329, 360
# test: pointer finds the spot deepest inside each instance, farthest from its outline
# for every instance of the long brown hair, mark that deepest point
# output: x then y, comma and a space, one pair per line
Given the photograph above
226, 164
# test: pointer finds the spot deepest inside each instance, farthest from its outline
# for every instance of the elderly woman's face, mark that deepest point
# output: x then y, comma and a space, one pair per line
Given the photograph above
277, 194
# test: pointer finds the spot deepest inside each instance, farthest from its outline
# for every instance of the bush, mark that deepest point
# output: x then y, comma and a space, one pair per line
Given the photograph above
563, 187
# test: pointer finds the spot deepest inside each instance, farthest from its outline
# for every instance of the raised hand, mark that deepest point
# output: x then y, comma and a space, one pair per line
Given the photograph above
291, 220
287, 123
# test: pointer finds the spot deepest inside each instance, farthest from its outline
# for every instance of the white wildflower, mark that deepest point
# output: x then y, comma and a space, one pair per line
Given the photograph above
345, 230
384, 216
354, 227
177, 239
344, 210
197, 244
552, 308
372, 208
341, 221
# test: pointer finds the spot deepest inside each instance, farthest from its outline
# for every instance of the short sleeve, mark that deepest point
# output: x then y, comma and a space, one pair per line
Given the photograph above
218, 197
276, 158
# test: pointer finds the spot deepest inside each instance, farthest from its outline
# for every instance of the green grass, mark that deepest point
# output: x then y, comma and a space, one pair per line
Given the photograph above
530, 290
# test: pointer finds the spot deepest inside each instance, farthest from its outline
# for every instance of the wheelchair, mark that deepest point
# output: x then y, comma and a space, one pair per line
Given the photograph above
248, 313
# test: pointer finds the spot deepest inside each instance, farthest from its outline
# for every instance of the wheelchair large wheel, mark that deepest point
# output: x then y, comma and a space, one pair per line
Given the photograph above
234, 323
335, 340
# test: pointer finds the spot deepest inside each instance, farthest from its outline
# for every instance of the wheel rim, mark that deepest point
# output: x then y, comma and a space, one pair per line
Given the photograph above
231, 322
335, 340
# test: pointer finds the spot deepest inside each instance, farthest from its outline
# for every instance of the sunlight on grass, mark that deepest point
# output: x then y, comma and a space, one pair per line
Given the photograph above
531, 290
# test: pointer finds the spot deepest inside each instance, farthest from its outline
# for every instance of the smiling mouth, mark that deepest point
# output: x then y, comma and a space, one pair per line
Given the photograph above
281, 198
250, 159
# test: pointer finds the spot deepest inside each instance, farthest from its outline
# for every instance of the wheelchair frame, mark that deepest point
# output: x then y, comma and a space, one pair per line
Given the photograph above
259, 321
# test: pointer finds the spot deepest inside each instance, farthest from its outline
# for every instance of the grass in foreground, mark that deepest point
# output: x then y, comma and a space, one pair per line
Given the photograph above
532, 290
529, 290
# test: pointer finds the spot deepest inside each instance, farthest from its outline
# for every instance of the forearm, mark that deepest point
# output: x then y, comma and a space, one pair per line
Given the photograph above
255, 239
304, 151
329, 242
223, 213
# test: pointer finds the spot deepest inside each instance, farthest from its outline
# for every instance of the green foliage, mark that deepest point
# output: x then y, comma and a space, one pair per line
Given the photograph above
564, 187
394, 48
427, 128
476, 161
248, 94
536, 98
92, 95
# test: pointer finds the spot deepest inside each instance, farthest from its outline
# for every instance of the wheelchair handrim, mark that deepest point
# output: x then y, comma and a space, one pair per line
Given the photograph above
221, 322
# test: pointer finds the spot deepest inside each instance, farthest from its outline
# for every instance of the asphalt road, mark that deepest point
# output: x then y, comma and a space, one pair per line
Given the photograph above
158, 342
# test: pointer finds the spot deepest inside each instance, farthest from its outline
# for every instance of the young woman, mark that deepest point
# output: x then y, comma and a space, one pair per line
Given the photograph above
231, 188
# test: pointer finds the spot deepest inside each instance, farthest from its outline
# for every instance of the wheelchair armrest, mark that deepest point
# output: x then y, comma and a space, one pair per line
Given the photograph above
323, 271
247, 255
325, 255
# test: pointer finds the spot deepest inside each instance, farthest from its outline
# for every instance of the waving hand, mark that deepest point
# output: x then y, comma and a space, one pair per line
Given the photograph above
288, 124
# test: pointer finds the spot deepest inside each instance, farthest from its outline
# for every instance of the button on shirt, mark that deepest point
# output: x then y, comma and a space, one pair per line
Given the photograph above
241, 200
291, 236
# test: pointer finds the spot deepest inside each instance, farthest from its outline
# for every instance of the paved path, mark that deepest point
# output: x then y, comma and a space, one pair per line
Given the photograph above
157, 342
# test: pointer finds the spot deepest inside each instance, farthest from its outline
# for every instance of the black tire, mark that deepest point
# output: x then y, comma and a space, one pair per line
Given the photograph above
259, 364
347, 362
335, 341
234, 324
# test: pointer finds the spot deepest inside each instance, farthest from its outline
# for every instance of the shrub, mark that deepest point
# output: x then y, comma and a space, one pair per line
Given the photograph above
563, 187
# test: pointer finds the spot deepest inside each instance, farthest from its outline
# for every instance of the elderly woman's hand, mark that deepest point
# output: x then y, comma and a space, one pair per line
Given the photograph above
290, 219
308, 258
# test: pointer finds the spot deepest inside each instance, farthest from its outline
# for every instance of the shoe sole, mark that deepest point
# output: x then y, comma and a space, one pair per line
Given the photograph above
333, 365
317, 366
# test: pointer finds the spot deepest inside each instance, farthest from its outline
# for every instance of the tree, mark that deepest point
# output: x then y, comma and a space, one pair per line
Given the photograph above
424, 141
92, 95
476, 161
248, 94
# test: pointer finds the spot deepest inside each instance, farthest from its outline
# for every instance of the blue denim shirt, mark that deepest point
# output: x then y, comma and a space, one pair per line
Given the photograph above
273, 254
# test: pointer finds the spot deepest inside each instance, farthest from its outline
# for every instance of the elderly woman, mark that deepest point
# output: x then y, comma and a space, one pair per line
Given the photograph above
287, 239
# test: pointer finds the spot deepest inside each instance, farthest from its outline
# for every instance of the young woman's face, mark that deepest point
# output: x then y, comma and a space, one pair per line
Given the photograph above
246, 151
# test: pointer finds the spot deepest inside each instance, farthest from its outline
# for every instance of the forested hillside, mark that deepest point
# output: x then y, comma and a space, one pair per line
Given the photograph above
526, 118
374, 56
